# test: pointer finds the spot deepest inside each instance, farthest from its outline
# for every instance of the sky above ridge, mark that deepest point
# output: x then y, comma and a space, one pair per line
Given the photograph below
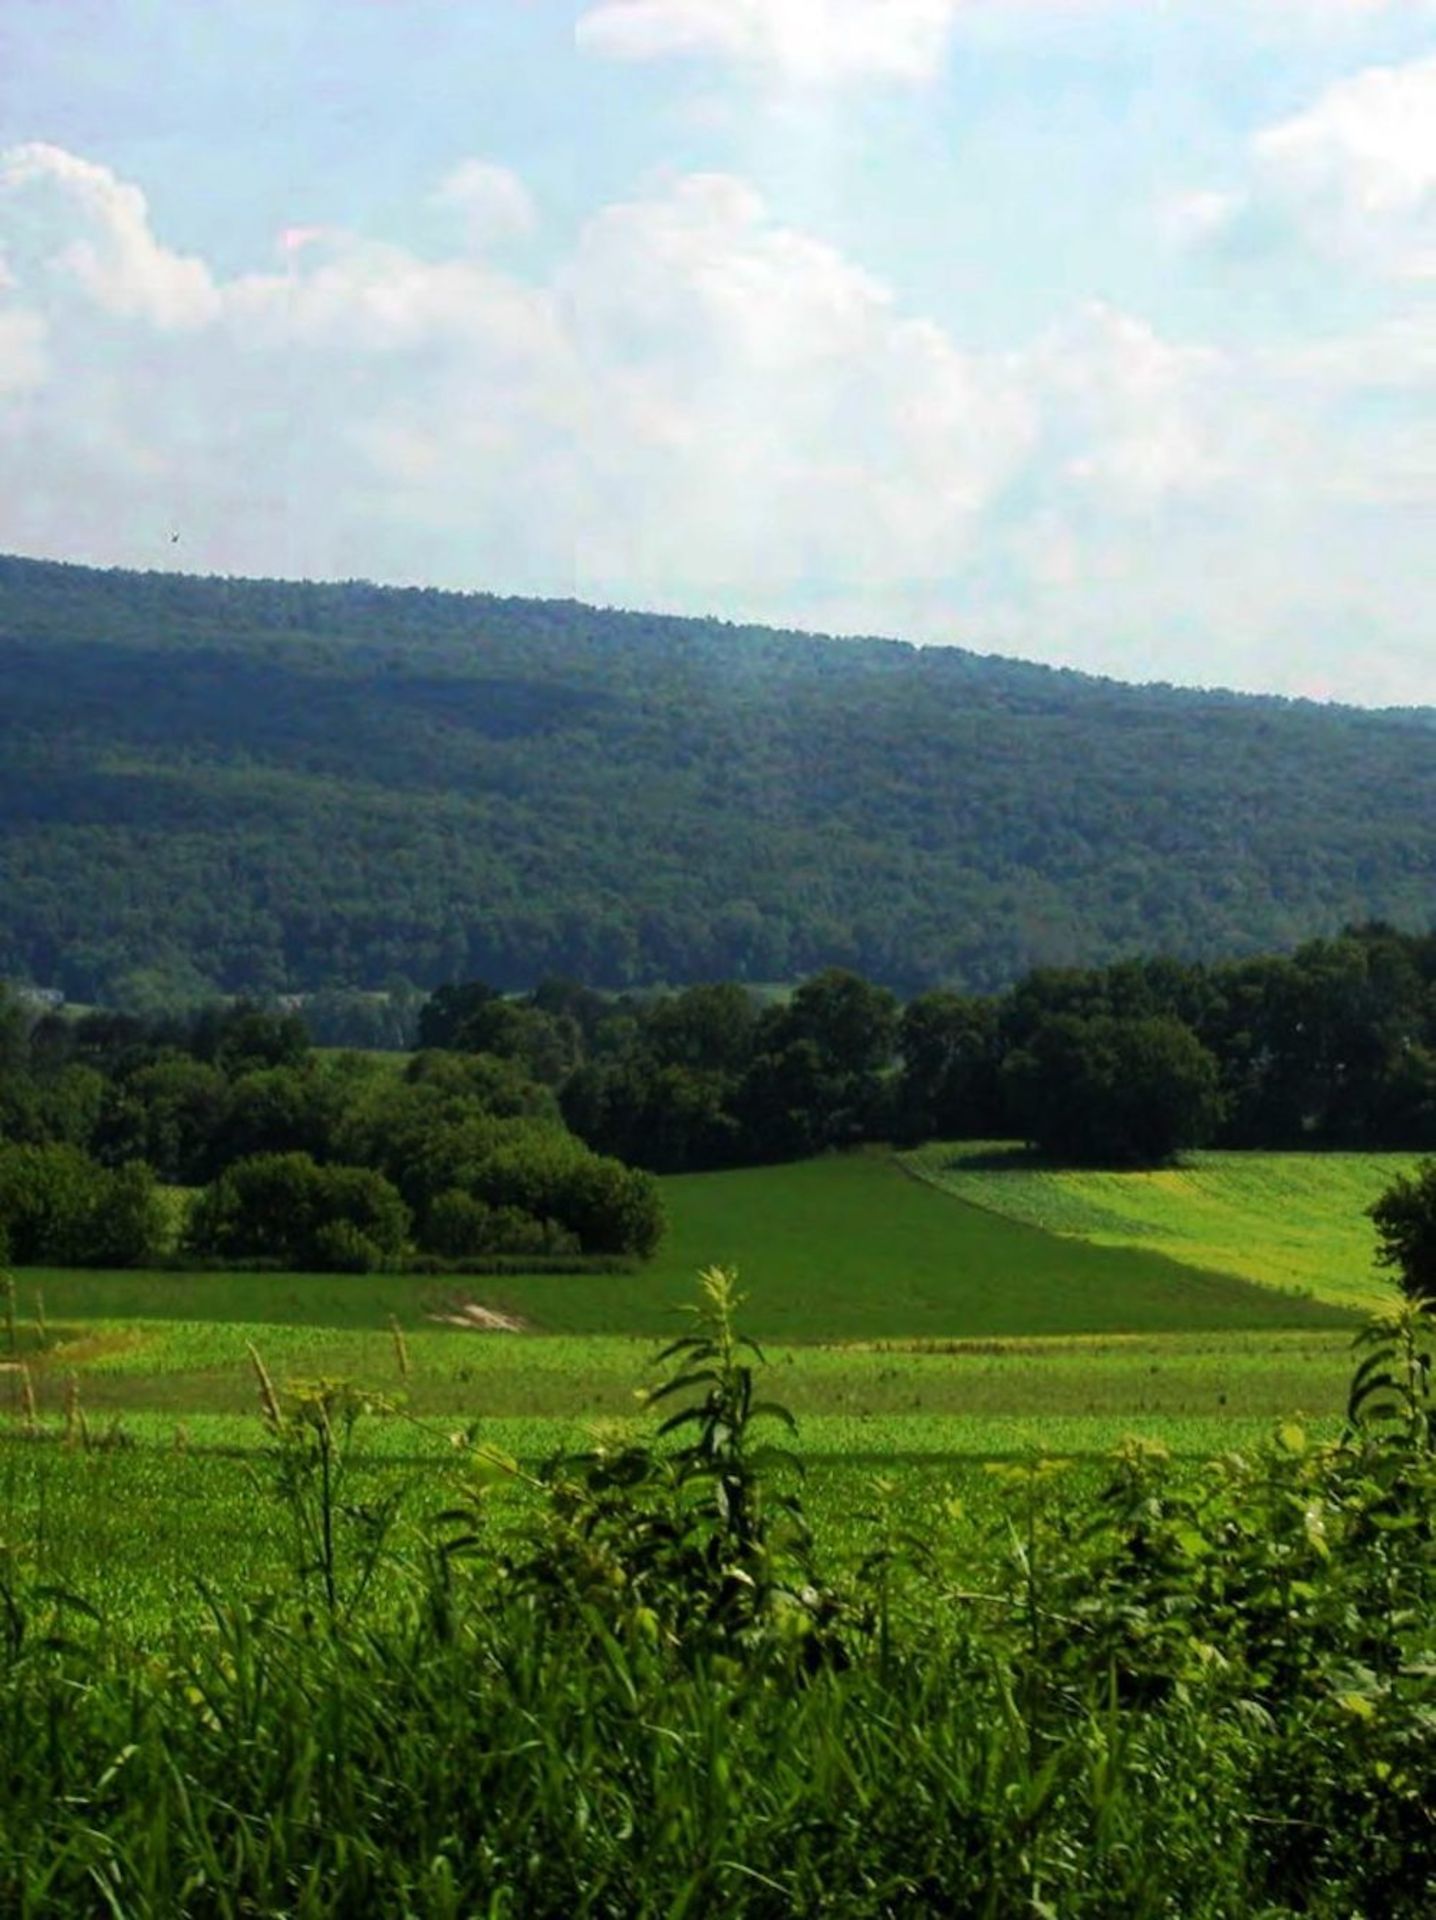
1101, 332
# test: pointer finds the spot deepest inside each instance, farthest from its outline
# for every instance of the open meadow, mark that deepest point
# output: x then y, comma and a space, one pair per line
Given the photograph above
913, 1335
1059, 1626
1288, 1220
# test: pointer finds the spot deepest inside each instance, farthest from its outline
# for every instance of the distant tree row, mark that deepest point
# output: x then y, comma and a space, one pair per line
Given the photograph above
527, 1126
1334, 1045
299, 1160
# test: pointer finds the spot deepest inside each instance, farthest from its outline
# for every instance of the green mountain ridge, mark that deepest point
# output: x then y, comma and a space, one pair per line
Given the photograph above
261, 785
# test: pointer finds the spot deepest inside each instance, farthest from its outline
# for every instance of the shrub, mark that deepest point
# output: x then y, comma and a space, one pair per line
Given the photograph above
460, 1226
610, 1207
59, 1205
284, 1207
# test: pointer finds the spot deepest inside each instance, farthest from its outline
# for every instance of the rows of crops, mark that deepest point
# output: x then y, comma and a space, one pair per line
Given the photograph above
155, 1370
1295, 1221
677, 1676
282, 1554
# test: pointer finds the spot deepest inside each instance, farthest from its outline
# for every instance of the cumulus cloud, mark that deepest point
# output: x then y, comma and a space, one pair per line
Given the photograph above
1129, 413
1352, 176
793, 424
107, 250
704, 408
358, 411
492, 204
806, 40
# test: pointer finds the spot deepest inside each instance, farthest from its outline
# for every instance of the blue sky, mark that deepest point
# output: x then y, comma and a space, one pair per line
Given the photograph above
1094, 331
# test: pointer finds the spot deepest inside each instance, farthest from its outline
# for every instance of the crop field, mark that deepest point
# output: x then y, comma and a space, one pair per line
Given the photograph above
1293, 1221
917, 1338
149, 1513
881, 1298
284, 1661
839, 1249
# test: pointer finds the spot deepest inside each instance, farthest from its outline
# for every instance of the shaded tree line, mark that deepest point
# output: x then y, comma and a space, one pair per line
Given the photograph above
525, 1127
292, 1158
1332, 1046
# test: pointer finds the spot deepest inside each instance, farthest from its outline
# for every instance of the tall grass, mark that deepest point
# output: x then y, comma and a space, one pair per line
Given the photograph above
629, 1684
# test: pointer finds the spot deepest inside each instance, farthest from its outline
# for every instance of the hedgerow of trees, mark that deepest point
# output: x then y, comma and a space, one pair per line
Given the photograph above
1332, 1046
527, 1126
300, 1160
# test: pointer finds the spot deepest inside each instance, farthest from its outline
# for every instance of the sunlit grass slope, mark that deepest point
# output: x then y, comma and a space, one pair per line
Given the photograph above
1289, 1220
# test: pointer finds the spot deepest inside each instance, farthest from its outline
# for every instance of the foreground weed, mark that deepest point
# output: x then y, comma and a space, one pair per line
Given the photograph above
697, 1538
340, 1542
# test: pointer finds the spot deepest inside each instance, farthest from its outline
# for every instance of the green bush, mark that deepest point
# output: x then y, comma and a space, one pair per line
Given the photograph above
529, 1184
459, 1226
60, 1207
285, 1208
1405, 1217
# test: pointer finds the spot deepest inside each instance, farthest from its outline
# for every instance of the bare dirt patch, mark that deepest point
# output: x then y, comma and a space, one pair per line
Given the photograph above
475, 1318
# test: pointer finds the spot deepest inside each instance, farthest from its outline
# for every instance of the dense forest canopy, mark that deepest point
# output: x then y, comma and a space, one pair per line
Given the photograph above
253, 786
1333, 1046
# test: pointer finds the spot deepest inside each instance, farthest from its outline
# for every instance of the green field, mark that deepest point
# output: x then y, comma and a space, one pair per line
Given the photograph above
845, 1248
186, 1369
1285, 1220
170, 1488
911, 1331
882, 1295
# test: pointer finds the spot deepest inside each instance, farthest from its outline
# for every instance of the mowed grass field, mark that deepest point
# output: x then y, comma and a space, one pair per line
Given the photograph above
851, 1247
915, 1334
1285, 1220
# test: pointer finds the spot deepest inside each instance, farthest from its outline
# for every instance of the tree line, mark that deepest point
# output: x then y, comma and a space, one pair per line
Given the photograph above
292, 1158
1331, 1046
527, 1126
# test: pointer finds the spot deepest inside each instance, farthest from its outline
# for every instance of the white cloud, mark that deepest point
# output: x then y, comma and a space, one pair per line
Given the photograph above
108, 249
813, 41
492, 203
759, 409
1130, 413
819, 42
1359, 167
24, 363
1352, 176
706, 409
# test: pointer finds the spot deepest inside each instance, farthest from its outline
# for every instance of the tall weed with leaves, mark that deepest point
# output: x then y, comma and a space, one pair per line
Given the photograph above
695, 1538
340, 1541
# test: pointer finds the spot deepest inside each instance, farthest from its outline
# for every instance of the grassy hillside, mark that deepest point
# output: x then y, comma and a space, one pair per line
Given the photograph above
255, 786
843, 1248
1278, 1219
914, 1335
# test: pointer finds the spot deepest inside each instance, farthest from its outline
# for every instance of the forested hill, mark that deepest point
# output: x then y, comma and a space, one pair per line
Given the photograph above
260, 785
